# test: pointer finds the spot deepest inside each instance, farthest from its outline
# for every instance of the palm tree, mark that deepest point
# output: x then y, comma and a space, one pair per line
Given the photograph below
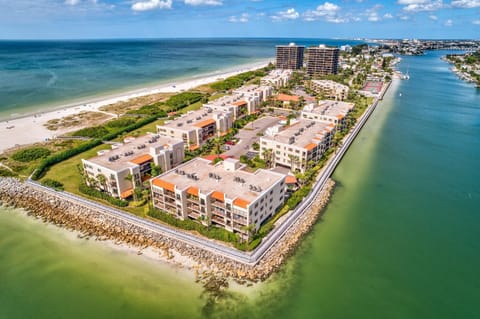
103, 181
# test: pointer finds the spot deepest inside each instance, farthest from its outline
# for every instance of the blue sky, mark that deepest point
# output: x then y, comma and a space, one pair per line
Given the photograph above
71, 19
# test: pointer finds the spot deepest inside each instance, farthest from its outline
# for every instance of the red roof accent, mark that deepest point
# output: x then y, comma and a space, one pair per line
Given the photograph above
141, 159
212, 157
240, 202
290, 179
205, 123
287, 98
163, 184
310, 146
218, 196
240, 103
127, 193
193, 191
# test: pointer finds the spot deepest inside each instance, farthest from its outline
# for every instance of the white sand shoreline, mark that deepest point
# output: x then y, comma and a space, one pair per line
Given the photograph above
29, 128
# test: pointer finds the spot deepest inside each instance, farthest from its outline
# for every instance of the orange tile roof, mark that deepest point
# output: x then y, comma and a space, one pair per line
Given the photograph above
240, 103
310, 146
218, 196
288, 98
193, 147
241, 202
141, 159
193, 191
340, 116
290, 179
163, 184
127, 193
205, 123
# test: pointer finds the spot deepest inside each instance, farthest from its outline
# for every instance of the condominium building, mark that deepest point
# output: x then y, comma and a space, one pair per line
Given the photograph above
294, 146
277, 78
335, 112
239, 105
322, 60
330, 89
260, 91
221, 194
196, 127
290, 56
120, 170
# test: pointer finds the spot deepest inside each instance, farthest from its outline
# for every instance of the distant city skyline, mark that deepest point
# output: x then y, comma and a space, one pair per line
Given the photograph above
90, 19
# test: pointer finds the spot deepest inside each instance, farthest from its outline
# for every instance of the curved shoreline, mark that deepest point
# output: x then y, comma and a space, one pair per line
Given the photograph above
89, 222
29, 128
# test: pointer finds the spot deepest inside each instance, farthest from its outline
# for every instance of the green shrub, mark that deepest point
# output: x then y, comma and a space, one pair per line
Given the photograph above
93, 132
90, 191
30, 154
6, 173
61, 156
191, 225
52, 184
121, 122
182, 100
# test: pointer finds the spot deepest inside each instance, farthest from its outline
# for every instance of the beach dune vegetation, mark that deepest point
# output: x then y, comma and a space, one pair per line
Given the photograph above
30, 154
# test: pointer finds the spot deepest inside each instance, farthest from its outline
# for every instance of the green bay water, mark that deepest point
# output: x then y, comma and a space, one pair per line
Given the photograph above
399, 238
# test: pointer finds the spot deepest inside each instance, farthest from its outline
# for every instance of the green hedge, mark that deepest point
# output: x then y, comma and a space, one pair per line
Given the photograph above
52, 184
182, 100
93, 132
237, 81
58, 157
30, 154
84, 189
121, 122
210, 232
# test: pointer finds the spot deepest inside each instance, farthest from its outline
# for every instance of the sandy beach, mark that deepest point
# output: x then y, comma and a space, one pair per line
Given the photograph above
30, 128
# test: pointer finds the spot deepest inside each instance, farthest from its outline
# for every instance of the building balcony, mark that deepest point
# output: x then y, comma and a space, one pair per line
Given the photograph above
218, 220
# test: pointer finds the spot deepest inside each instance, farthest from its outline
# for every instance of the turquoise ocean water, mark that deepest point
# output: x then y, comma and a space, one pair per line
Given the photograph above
398, 240
35, 75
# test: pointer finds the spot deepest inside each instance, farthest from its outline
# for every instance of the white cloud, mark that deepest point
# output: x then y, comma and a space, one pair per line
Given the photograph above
328, 11
151, 4
421, 5
72, 2
448, 23
289, 14
204, 2
387, 16
407, 2
243, 18
477, 22
466, 4
433, 17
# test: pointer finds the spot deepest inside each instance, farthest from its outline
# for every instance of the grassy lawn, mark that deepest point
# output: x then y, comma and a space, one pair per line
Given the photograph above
67, 172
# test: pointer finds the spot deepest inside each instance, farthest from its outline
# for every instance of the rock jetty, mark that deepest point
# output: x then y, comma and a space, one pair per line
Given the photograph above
90, 222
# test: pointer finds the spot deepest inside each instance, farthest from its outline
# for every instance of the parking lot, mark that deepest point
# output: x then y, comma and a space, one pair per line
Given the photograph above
248, 135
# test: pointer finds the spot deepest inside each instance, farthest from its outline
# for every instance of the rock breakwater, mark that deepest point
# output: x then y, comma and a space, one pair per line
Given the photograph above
91, 222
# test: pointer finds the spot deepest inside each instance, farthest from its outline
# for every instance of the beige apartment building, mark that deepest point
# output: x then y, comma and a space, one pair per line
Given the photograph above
294, 146
330, 89
196, 127
239, 105
221, 194
120, 170
335, 112
277, 78
262, 92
